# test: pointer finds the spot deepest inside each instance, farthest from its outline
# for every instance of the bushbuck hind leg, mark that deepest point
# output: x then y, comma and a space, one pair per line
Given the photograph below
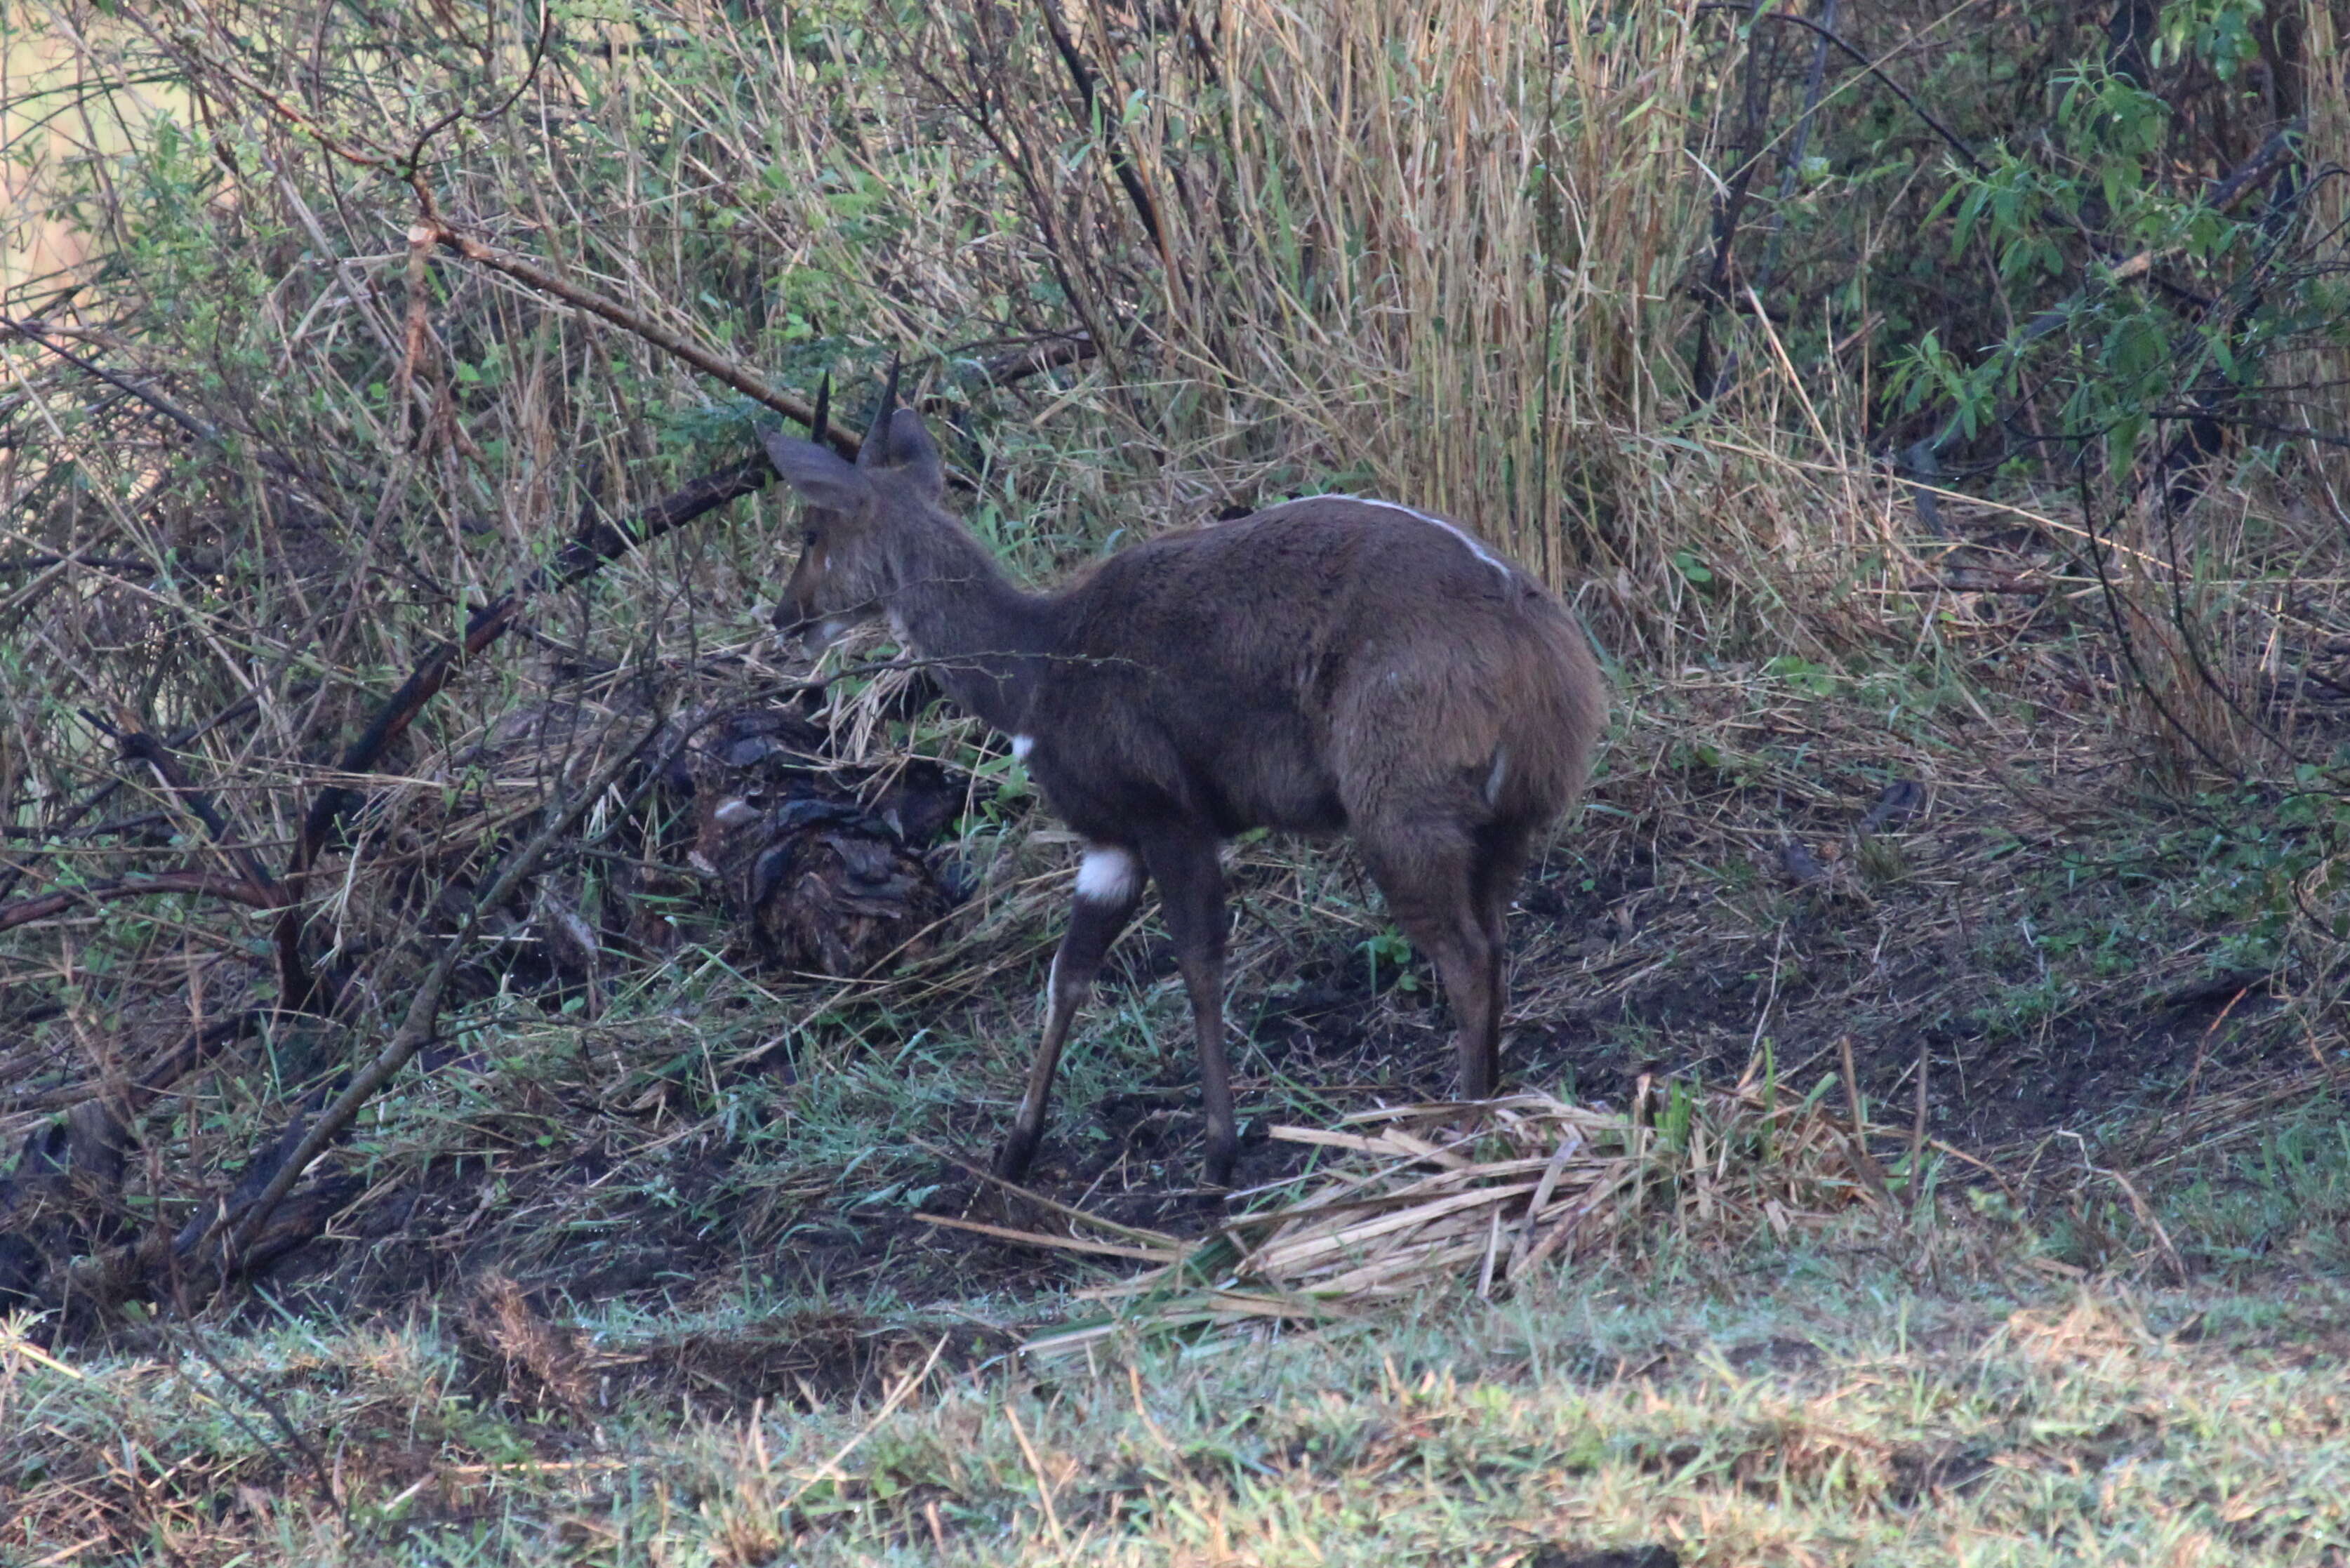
1110, 885
1429, 871
1500, 865
1191, 896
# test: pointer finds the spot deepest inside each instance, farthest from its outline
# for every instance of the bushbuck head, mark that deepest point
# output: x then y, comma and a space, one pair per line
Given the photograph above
846, 569
1328, 664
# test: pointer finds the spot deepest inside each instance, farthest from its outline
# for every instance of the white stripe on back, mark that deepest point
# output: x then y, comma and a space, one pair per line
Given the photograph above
1474, 548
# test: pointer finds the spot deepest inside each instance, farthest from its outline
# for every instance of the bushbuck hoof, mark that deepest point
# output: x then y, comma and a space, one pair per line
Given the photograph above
1216, 1170
1015, 1156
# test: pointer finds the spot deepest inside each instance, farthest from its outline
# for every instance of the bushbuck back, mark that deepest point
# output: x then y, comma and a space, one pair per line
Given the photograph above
1326, 665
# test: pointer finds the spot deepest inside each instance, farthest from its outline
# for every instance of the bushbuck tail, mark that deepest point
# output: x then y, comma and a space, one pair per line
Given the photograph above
1326, 665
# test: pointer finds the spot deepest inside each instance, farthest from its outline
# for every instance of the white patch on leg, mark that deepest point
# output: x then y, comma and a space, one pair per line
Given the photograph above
1107, 875
822, 634
1021, 746
1500, 771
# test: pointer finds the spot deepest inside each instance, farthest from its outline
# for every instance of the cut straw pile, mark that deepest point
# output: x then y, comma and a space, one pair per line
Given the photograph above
1418, 1197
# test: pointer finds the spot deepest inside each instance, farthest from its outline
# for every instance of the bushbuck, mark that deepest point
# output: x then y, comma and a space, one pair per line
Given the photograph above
1326, 665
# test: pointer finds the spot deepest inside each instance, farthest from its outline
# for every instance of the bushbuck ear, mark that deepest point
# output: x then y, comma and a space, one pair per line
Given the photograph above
822, 476
910, 448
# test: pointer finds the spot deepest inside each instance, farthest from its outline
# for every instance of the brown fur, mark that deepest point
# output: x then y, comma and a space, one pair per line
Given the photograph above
1328, 665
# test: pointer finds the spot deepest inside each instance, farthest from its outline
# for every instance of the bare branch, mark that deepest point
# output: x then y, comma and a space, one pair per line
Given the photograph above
207, 884
424, 1011
432, 227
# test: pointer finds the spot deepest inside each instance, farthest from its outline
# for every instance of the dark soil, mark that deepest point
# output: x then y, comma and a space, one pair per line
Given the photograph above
1131, 1156
1878, 926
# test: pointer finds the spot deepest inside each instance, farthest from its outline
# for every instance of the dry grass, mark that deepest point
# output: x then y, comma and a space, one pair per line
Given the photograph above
1731, 1160
1532, 1184
1832, 1418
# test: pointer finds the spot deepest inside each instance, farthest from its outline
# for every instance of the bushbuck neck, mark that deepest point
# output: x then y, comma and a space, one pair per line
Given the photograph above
1330, 664
984, 638
878, 544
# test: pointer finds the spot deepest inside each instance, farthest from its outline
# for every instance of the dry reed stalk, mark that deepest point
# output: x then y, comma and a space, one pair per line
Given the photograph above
1492, 373
1536, 1178
2324, 367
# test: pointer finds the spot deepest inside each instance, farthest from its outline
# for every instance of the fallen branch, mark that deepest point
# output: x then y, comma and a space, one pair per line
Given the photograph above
43, 558
424, 1011
578, 560
247, 1229
1067, 348
111, 826
1969, 582
206, 884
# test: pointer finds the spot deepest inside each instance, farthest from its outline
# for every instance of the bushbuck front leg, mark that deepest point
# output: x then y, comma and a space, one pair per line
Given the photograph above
1110, 885
1191, 896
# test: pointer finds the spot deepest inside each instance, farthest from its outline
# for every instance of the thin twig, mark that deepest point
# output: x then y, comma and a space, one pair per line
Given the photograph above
1958, 143
436, 230
196, 427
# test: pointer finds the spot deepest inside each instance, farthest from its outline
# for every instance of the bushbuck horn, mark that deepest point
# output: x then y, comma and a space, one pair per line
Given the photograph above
1327, 665
875, 452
